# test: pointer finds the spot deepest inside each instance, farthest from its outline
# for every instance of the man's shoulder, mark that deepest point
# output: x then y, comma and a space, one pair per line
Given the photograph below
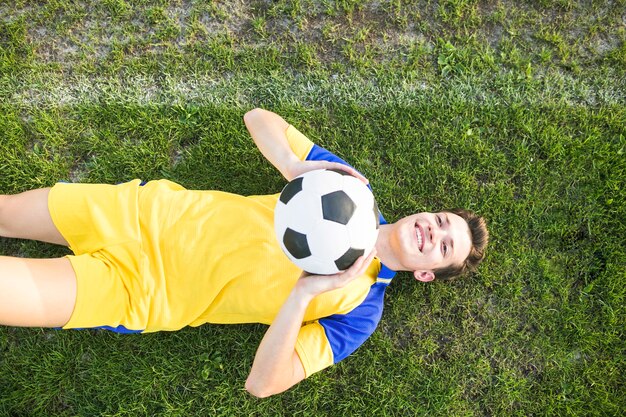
346, 332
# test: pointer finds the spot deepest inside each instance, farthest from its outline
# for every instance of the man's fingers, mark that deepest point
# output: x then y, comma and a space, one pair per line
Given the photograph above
361, 264
351, 171
368, 260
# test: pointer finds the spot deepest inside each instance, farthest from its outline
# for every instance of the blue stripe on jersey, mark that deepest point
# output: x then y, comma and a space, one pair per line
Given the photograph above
118, 329
318, 153
346, 332
385, 272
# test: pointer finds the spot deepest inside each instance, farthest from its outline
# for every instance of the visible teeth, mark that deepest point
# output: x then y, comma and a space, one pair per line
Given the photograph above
419, 238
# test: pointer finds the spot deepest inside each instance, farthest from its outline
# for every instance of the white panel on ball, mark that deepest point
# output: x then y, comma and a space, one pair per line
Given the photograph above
329, 240
280, 218
301, 209
316, 265
359, 193
362, 228
322, 181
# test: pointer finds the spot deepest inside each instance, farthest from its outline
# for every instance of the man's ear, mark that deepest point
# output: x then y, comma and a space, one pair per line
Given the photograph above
424, 276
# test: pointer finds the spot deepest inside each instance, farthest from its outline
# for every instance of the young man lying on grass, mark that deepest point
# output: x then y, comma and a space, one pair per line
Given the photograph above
155, 256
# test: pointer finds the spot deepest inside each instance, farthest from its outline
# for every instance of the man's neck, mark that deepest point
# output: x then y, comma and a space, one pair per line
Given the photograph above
384, 250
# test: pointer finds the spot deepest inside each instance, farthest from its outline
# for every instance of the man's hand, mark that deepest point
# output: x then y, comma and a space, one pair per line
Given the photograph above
300, 167
313, 285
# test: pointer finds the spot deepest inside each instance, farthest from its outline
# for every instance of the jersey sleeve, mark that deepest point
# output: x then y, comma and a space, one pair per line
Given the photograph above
313, 348
305, 149
300, 144
333, 338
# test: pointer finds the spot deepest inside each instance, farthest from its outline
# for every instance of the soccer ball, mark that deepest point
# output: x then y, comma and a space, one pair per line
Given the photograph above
325, 219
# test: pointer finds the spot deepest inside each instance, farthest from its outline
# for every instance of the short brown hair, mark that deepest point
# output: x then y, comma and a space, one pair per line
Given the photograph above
479, 236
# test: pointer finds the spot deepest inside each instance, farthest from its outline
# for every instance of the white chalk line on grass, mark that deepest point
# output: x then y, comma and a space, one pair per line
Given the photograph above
43, 90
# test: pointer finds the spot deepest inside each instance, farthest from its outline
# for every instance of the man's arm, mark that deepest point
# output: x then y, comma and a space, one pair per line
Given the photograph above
268, 132
276, 365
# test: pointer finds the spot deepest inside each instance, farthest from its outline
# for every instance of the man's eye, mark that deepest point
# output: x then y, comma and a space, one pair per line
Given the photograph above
445, 249
438, 220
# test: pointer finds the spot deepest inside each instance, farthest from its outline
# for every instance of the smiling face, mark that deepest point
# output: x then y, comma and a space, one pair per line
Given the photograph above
424, 242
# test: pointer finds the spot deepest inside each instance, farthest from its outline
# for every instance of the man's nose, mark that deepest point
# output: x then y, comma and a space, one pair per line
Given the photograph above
435, 233
432, 234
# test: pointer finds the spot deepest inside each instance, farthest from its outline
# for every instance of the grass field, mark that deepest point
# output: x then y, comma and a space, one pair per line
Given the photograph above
515, 109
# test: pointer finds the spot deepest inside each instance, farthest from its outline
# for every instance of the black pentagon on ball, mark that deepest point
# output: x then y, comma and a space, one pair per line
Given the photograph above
296, 243
291, 189
338, 207
348, 258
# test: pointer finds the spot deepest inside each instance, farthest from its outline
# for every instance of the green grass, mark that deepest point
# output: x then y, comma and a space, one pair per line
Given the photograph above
514, 109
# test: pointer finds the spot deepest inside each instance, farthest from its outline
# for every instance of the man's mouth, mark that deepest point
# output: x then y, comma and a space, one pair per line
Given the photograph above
420, 237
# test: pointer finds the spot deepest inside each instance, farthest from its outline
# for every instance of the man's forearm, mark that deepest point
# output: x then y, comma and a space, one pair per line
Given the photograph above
268, 132
276, 366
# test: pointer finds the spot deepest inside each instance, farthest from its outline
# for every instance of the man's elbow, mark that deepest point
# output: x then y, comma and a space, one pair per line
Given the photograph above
265, 388
259, 390
251, 115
